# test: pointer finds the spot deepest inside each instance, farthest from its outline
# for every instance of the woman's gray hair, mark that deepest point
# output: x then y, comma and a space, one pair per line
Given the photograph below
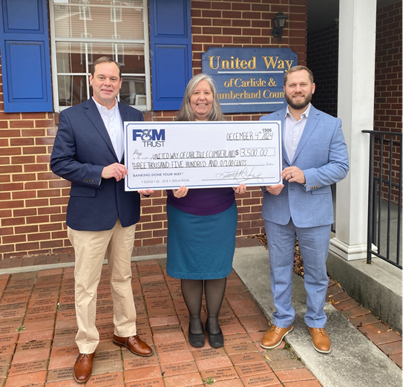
186, 112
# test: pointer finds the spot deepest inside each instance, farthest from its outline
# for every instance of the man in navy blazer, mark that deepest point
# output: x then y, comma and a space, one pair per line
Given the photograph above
101, 216
314, 157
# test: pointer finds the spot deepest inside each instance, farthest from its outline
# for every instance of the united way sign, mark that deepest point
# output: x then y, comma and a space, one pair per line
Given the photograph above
249, 80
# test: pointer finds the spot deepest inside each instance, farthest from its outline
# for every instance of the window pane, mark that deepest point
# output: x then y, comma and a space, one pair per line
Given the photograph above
98, 19
71, 57
72, 89
133, 59
133, 91
88, 29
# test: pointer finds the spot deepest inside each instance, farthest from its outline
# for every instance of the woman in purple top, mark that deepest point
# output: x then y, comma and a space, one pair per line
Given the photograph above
201, 228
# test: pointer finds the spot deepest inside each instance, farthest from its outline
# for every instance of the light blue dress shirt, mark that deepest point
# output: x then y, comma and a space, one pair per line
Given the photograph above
293, 130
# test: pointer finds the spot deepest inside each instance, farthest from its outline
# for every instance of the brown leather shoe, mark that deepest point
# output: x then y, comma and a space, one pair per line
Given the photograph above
320, 340
134, 344
274, 336
83, 367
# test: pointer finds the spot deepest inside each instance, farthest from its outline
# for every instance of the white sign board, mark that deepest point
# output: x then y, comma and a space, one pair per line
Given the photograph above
201, 154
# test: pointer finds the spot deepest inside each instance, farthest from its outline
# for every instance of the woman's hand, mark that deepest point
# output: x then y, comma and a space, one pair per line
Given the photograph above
146, 192
180, 192
241, 189
274, 189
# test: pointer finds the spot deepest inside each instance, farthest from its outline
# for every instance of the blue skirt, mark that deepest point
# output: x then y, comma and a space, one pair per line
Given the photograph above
201, 247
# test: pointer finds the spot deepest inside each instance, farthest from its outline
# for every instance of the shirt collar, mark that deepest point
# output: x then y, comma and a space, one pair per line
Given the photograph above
304, 114
103, 108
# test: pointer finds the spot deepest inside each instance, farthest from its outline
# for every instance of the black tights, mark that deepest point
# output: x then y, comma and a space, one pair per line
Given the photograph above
214, 290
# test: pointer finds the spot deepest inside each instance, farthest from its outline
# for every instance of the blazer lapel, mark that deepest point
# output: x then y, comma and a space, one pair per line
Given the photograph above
310, 126
281, 116
93, 114
125, 115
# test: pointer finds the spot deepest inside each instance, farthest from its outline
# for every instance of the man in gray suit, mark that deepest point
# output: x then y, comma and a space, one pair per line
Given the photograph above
314, 157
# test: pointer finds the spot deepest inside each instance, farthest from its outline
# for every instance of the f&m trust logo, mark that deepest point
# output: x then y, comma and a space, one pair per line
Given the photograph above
152, 138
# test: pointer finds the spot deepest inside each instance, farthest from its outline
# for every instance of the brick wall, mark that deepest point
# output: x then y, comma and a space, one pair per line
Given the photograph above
388, 95
33, 200
388, 69
323, 61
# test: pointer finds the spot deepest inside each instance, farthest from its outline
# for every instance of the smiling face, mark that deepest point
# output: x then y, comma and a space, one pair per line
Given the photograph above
298, 89
201, 101
106, 83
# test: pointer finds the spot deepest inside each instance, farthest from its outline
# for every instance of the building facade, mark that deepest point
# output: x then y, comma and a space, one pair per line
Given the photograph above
33, 200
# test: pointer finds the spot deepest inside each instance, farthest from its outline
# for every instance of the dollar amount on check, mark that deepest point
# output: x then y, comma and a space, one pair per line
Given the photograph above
166, 155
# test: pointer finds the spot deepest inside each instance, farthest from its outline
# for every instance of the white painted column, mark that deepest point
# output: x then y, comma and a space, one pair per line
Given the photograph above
357, 28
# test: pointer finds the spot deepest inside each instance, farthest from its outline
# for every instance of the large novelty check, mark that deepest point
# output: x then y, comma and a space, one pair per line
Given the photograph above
166, 155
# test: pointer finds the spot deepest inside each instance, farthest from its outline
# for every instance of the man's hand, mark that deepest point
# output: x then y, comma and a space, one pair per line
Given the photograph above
116, 170
293, 175
274, 189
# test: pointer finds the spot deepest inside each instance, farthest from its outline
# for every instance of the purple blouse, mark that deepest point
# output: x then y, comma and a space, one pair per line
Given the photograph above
203, 201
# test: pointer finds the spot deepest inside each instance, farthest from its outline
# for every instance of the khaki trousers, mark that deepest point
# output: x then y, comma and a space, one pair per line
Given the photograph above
91, 248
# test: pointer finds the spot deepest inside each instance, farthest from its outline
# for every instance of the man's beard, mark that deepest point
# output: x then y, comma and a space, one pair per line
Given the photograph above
300, 105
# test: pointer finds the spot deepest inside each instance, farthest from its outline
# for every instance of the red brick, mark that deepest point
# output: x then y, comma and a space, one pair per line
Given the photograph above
210, 14
24, 177
21, 141
201, 4
217, 5
21, 124
27, 246
294, 375
216, 362
44, 123
242, 7
373, 328
384, 337
30, 379
354, 312
303, 383
191, 379
14, 239
33, 132
397, 358
391, 348
232, 31
37, 203
142, 374
34, 150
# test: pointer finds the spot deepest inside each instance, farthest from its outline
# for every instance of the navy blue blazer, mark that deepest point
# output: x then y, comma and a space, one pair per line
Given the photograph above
81, 150
322, 156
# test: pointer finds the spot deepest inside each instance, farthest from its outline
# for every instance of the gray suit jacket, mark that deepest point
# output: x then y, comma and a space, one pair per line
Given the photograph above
322, 156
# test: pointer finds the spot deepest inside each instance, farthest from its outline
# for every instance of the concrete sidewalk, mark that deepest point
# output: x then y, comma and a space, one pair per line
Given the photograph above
354, 361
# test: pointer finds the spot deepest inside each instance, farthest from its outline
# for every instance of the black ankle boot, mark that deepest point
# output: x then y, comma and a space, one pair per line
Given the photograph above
216, 340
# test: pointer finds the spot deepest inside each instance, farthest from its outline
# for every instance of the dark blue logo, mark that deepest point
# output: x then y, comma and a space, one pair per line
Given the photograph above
151, 137
149, 134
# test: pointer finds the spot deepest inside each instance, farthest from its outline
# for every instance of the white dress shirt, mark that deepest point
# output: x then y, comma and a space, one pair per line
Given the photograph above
114, 126
293, 130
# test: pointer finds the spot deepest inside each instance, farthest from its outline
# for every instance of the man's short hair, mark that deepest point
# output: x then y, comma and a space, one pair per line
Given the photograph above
298, 68
105, 59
